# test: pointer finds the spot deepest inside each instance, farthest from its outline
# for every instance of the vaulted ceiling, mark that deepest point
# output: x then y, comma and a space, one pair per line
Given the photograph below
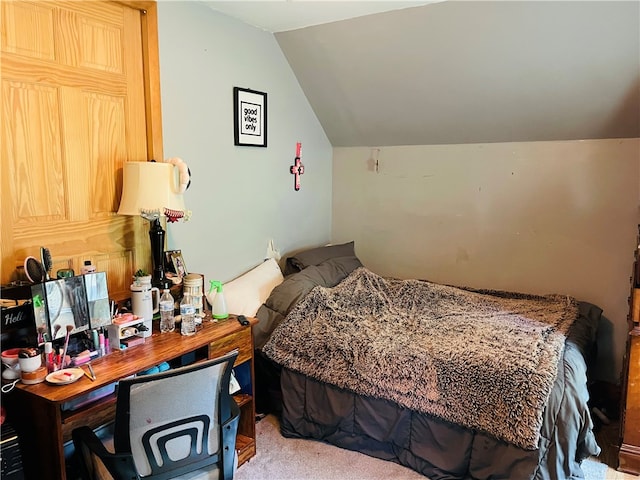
472, 72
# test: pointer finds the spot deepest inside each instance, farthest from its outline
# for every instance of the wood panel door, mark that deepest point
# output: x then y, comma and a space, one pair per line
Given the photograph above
80, 96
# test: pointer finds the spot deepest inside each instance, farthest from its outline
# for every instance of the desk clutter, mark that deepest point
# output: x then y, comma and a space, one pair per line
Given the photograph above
66, 322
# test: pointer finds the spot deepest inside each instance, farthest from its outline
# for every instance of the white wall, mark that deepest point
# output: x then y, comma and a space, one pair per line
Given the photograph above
240, 196
539, 217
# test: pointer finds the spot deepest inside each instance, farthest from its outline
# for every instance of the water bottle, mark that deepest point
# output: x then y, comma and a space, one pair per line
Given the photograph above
167, 322
188, 314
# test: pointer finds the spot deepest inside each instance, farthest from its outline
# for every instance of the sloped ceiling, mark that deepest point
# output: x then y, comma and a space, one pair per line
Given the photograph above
473, 72
283, 15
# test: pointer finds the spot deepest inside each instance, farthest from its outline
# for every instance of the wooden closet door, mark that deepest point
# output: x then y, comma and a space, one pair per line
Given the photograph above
78, 100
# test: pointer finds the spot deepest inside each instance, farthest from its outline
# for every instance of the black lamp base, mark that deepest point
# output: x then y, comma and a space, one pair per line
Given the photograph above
156, 235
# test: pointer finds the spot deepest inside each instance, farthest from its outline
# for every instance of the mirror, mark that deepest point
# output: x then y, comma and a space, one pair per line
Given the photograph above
66, 304
98, 299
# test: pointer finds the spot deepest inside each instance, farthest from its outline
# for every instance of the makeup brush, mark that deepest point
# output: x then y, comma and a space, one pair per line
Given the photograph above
55, 331
41, 335
66, 344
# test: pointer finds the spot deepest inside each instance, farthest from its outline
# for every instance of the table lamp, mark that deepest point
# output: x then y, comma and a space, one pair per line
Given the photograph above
152, 190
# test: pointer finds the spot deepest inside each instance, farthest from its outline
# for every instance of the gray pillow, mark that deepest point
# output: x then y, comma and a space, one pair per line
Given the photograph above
316, 256
294, 288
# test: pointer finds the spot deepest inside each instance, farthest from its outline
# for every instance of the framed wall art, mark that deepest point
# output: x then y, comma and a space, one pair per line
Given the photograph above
249, 117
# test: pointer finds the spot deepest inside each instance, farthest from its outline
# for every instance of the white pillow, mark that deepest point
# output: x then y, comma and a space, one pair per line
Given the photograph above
245, 294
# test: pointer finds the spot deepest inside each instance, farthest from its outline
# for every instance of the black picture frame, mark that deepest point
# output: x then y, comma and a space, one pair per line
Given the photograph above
249, 118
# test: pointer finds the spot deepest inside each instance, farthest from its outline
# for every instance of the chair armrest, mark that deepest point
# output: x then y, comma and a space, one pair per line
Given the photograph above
87, 445
229, 434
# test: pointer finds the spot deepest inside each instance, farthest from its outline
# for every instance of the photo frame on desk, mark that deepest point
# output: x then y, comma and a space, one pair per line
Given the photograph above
249, 117
179, 266
168, 260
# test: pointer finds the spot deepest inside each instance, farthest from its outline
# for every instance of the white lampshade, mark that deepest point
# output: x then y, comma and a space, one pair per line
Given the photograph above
150, 187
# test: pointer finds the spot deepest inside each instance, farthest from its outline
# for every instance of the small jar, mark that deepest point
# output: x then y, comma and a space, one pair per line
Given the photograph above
193, 286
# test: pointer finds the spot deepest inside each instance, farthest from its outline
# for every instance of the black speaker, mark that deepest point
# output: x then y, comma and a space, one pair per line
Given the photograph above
18, 328
10, 457
16, 316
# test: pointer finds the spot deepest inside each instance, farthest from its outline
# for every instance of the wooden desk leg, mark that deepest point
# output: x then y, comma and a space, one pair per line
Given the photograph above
38, 426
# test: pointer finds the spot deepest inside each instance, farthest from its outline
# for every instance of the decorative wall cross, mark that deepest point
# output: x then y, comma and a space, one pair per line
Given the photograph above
298, 168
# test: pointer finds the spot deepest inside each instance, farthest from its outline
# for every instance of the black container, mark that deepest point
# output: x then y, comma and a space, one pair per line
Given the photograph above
18, 326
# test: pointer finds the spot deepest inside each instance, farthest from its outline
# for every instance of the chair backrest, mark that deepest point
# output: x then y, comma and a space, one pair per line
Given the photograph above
174, 421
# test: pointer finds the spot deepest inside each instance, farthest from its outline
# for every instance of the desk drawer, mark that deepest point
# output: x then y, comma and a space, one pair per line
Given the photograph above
241, 340
98, 414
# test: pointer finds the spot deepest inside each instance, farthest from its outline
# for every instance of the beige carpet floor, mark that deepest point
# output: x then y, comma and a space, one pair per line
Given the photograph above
295, 459
280, 458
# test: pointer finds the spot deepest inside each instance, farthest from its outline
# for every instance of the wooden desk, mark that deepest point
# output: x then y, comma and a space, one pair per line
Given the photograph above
44, 427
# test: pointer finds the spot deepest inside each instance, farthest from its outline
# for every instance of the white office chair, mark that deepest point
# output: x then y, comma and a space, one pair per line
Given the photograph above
168, 424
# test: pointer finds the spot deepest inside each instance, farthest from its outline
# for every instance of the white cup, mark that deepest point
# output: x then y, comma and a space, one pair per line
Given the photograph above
30, 364
145, 301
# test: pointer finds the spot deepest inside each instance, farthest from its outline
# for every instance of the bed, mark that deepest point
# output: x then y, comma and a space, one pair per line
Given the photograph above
460, 410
